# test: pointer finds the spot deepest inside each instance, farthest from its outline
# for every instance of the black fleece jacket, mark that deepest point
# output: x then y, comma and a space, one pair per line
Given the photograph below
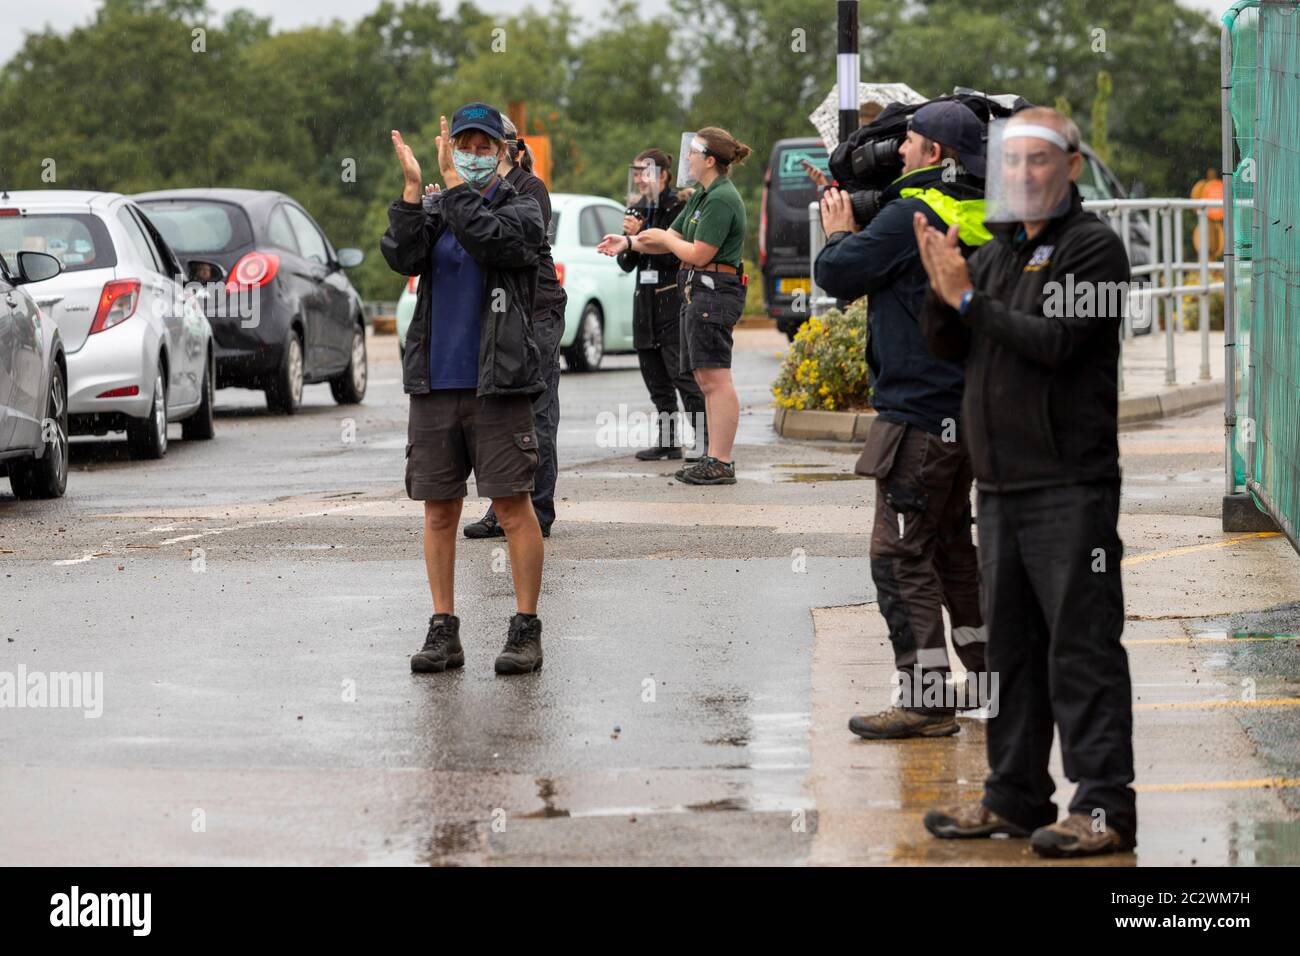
1040, 338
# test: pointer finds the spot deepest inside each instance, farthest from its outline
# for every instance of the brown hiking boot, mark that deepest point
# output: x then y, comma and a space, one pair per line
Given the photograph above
1077, 835
970, 821
899, 724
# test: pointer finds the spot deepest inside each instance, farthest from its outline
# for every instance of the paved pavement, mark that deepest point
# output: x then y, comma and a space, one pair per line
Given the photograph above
1148, 394
251, 604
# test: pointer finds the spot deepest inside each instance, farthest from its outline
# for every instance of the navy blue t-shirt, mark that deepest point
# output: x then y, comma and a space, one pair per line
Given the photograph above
455, 299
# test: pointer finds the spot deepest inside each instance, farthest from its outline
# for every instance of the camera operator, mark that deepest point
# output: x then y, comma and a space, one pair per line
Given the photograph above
656, 308
922, 557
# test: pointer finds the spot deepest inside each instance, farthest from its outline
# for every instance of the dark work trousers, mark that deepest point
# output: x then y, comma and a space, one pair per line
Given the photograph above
926, 563
664, 379
548, 329
1054, 605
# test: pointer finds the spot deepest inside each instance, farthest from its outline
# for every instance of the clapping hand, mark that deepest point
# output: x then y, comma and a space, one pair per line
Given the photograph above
942, 259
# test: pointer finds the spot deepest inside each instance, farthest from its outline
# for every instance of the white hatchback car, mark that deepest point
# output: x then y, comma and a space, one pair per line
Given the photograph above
139, 347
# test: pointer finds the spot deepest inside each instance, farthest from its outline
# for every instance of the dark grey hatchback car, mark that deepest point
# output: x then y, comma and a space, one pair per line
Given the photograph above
282, 310
33, 382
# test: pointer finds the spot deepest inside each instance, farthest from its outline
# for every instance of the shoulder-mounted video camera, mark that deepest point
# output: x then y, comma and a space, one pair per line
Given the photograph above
867, 162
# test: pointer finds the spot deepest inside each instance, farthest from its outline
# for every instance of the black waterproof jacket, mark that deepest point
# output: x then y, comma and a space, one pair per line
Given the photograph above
656, 306
551, 298
1040, 338
909, 384
504, 236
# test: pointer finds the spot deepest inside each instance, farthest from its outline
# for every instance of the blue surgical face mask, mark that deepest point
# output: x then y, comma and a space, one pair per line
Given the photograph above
475, 170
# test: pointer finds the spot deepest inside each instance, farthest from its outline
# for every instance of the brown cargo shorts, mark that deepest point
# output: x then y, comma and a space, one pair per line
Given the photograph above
453, 432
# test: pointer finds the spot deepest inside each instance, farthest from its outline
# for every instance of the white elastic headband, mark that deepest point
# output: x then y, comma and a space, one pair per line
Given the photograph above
1023, 130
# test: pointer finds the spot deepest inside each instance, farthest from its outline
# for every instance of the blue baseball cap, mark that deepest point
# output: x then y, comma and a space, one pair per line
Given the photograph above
953, 124
478, 116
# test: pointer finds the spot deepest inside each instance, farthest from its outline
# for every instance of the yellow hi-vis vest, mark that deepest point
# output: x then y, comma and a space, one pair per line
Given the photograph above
968, 214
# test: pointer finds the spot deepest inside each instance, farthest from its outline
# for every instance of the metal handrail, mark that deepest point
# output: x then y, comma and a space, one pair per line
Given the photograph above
1166, 260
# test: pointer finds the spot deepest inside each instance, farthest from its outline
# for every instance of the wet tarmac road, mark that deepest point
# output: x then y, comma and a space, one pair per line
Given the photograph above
251, 603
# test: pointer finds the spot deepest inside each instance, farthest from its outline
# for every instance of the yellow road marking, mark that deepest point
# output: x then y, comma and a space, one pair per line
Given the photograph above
1190, 548
1264, 783
1219, 704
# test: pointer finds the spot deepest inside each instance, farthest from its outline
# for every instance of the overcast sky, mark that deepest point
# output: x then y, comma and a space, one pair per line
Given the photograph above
63, 15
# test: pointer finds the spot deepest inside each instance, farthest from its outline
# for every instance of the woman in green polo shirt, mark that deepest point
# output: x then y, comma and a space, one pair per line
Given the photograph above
708, 237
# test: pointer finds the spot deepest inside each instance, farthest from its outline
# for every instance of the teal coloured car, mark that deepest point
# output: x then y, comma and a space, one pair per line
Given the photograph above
598, 318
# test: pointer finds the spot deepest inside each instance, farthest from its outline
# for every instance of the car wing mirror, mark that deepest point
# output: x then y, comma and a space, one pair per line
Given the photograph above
37, 267
350, 258
203, 272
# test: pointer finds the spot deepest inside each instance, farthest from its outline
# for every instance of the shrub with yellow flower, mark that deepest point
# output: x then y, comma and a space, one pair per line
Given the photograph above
826, 366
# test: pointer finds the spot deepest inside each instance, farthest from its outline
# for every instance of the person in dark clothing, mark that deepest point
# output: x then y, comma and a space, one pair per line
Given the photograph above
472, 369
708, 237
922, 557
1036, 316
656, 308
548, 328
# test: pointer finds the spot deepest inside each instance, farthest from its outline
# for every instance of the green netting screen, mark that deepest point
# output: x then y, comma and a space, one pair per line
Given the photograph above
1264, 103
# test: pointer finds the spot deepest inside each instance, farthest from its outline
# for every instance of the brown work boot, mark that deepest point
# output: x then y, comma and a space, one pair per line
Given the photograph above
1076, 836
970, 821
899, 724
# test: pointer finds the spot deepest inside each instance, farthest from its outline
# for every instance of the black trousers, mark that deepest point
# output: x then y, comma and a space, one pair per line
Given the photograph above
664, 379
548, 329
1054, 608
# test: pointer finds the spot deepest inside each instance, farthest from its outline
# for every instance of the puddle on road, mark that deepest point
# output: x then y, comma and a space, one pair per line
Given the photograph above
726, 803
811, 478
451, 841
1244, 635
1184, 478
1264, 843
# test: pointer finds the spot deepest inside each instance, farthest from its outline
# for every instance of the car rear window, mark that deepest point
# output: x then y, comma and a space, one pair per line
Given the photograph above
78, 240
191, 225
788, 174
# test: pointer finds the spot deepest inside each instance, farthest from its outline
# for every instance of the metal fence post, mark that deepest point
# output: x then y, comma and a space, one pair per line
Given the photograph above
1203, 259
1177, 259
1167, 242
1228, 162
816, 239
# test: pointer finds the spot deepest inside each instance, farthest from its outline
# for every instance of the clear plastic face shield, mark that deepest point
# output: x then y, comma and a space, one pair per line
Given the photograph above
690, 152
644, 181
1028, 177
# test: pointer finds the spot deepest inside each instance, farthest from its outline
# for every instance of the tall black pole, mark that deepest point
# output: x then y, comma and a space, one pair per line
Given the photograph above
847, 66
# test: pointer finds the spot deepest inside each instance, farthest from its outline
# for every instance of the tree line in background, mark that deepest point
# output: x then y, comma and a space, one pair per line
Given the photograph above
156, 94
